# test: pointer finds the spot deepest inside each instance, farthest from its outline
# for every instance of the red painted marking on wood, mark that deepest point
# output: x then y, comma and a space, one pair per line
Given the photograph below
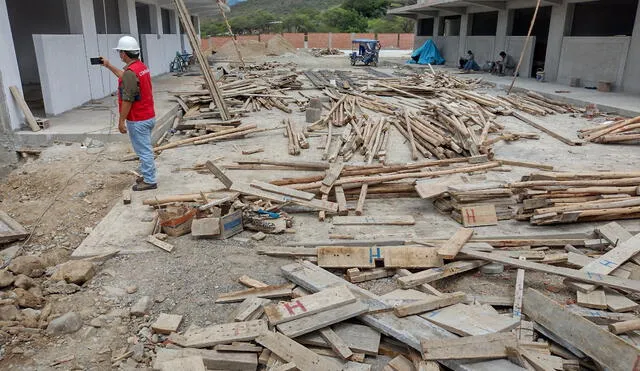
290, 308
636, 365
471, 217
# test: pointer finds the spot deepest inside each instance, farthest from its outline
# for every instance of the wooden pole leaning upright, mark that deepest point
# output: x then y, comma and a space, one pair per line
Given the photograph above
209, 79
524, 48
233, 36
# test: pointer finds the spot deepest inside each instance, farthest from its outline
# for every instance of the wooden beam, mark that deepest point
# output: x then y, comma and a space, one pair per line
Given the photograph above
219, 174
290, 351
430, 304
470, 347
337, 344
31, 120
608, 350
451, 248
308, 305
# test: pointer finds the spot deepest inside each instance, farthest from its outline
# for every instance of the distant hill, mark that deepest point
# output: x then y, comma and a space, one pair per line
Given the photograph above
277, 7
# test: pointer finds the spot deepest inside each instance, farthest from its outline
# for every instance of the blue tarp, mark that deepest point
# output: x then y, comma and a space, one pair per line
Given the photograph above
428, 53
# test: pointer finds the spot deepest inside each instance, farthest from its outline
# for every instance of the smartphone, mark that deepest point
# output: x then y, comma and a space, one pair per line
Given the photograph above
96, 60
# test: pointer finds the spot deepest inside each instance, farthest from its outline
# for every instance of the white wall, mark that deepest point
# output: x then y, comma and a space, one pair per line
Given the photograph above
159, 51
594, 59
108, 82
482, 48
448, 46
514, 48
632, 69
63, 71
8, 68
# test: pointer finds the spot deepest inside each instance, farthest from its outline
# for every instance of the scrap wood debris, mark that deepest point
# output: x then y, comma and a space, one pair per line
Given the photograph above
619, 131
329, 322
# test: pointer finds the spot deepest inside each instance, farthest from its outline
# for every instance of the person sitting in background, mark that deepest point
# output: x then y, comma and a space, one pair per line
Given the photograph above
463, 61
505, 66
470, 63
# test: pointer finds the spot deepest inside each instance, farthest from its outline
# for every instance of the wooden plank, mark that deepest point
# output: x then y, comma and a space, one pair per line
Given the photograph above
610, 261
219, 174
366, 257
617, 302
425, 287
368, 275
594, 299
478, 216
544, 129
599, 316
429, 304
283, 190
262, 292
625, 326
29, 118
337, 344
285, 367
317, 321
341, 200
519, 289
596, 278
451, 248
213, 359
10, 229
247, 189
126, 196
374, 220
471, 347
250, 282
614, 233
410, 330
166, 323
436, 187
193, 363
435, 274
359, 338
308, 305
249, 309
608, 350
291, 351
161, 244
400, 363
288, 251
495, 301
238, 347
470, 320
332, 174
224, 334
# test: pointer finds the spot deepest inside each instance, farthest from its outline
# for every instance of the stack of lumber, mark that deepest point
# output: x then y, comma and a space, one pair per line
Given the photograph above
296, 138
623, 131
338, 325
553, 198
460, 199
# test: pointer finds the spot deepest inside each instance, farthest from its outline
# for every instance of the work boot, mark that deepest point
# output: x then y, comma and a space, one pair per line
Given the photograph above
144, 186
139, 179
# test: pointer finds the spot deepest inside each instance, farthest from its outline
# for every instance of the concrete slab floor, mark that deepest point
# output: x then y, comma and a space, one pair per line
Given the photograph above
99, 119
126, 226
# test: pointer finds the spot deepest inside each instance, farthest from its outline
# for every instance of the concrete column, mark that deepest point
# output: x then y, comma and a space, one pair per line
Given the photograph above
156, 19
557, 29
464, 31
11, 117
436, 26
196, 25
632, 67
128, 21
82, 21
501, 31
330, 39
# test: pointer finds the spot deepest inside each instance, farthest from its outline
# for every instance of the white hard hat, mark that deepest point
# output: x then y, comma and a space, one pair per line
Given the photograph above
128, 43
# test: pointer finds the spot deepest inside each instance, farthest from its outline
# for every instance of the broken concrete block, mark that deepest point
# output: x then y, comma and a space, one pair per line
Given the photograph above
75, 271
8, 313
31, 266
24, 282
26, 299
167, 323
59, 287
141, 307
258, 236
313, 115
66, 324
315, 103
6, 278
205, 227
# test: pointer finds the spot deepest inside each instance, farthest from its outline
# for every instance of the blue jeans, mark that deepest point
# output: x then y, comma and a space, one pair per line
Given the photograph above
140, 135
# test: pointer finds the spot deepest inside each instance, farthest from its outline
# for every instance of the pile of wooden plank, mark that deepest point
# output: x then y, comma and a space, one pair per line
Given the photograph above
624, 131
553, 198
296, 139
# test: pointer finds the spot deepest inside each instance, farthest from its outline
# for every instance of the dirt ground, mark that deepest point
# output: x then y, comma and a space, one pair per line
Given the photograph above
87, 182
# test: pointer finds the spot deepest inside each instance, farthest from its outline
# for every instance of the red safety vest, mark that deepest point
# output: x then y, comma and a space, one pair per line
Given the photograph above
142, 107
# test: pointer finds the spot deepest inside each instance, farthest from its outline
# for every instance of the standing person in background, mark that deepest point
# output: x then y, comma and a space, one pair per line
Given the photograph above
135, 102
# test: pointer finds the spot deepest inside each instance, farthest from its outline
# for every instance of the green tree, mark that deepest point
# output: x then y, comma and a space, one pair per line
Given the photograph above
344, 20
391, 24
367, 8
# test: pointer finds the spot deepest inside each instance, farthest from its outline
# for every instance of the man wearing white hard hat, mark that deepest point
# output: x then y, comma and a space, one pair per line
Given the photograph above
135, 102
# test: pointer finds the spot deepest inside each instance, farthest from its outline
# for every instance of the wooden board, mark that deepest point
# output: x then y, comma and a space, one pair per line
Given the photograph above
478, 216
374, 220
249, 308
470, 347
359, 338
29, 118
451, 248
429, 304
224, 334
250, 282
10, 230
436, 187
262, 292
594, 299
617, 302
193, 363
614, 233
599, 316
283, 190
495, 301
213, 360
247, 189
308, 305
366, 257
317, 321
341, 200
469, 320
238, 347
596, 342
368, 275
596, 278
337, 344
161, 244
291, 351
167, 323
219, 174
610, 261
400, 363
434, 274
